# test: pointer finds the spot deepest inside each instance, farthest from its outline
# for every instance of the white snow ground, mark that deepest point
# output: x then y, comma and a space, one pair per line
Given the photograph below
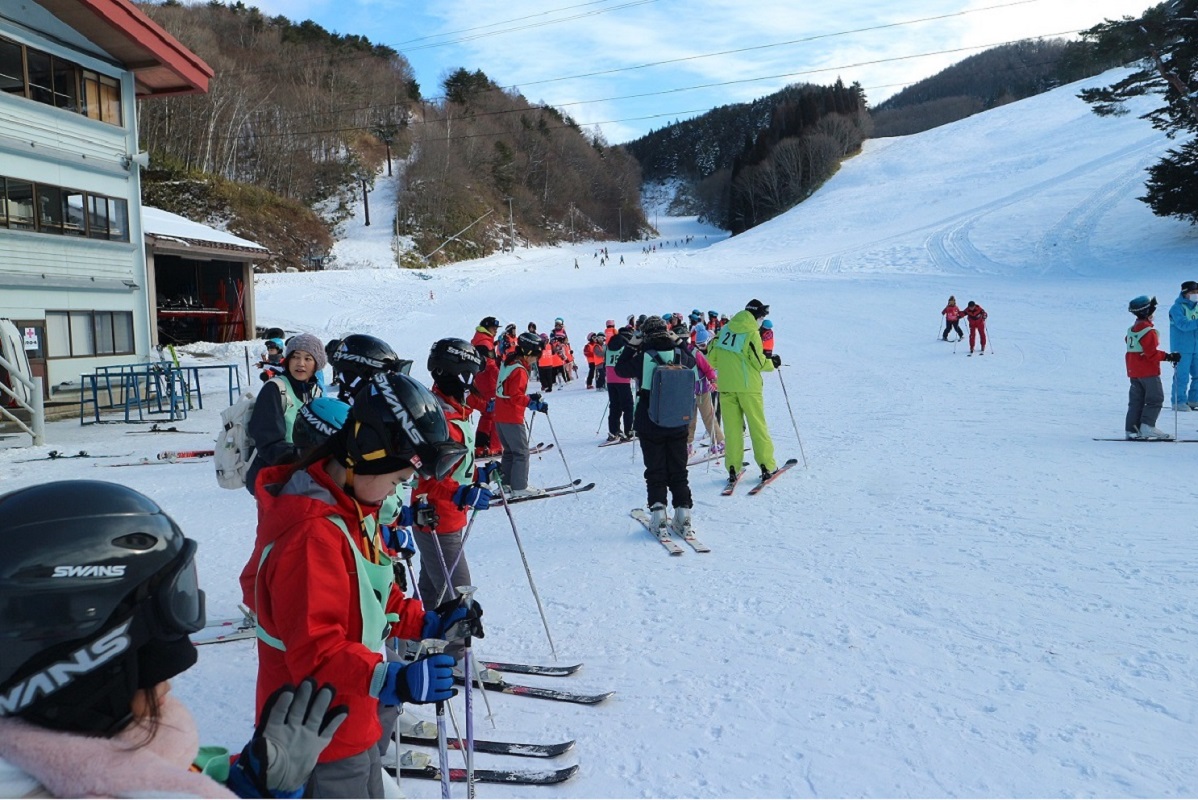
962, 595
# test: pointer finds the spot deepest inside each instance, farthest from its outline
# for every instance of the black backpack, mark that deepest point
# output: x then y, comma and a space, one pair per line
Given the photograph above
671, 394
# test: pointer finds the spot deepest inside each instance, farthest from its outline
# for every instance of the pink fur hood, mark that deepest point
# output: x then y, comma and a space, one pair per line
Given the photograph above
70, 765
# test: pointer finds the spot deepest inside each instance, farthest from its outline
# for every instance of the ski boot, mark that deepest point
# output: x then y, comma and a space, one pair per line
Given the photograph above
680, 523
658, 519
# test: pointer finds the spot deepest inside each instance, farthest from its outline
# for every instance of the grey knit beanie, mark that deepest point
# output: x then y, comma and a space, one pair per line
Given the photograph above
310, 345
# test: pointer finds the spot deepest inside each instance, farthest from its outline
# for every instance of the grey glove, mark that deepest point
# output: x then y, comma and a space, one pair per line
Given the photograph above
298, 724
635, 339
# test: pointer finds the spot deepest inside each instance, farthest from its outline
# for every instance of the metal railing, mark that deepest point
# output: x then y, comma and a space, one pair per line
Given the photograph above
35, 406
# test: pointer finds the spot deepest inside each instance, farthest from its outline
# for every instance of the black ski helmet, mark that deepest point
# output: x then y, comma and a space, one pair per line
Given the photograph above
98, 596
529, 344
330, 347
489, 322
454, 357
317, 420
453, 363
358, 357
396, 422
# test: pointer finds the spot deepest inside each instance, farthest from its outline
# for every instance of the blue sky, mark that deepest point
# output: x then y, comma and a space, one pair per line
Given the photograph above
551, 49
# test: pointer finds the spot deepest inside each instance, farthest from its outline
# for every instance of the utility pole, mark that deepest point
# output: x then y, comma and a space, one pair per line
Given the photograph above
511, 226
366, 202
621, 212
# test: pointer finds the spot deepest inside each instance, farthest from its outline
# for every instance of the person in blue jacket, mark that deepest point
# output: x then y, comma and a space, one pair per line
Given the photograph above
1183, 338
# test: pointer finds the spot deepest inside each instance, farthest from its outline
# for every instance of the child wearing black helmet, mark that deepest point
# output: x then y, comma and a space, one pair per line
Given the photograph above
98, 599
511, 401
1143, 360
323, 586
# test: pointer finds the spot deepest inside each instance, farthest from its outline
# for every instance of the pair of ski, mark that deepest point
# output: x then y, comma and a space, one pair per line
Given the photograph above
155, 428
551, 491
615, 442
167, 457
55, 455
730, 487
420, 766
1169, 441
663, 535
703, 459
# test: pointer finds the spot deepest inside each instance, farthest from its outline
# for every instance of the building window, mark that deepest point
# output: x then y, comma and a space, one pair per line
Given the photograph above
19, 199
62, 211
43, 78
12, 68
77, 334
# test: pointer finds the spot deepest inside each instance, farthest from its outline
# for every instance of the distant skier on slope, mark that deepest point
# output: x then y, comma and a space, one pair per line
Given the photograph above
977, 324
1143, 359
952, 316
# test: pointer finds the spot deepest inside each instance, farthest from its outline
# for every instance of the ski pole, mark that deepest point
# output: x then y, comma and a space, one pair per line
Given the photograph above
601, 416
507, 507
562, 453
792, 417
466, 593
1171, 394
432, 646
530, 422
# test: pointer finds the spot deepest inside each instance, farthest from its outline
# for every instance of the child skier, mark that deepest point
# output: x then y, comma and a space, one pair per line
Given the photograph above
510, 402
952, 316
619, 390
1146, 396
663, 449
481, 392
452, 363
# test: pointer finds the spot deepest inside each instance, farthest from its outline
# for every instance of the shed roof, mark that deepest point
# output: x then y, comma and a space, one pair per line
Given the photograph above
176, 234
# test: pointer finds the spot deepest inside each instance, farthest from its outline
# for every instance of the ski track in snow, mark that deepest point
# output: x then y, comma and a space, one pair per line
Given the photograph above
961, 596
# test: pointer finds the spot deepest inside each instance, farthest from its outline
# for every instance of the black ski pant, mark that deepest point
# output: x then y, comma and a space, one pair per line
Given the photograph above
591, 370
951, 325
665, 468
548, 378
619, 405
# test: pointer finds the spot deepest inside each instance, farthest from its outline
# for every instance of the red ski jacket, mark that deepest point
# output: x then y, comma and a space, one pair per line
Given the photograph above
1143, 356
307, 596
952, 312
976, 315
510, 408
482, 389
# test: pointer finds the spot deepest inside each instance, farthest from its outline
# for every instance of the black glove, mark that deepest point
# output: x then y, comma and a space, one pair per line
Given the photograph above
777, 360
535, 397
453, 620
1173, 358
295, 726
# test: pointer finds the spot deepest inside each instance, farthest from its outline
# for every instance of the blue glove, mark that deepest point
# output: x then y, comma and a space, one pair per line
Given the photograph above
406, 518
425, 680
472, 497
486, 472
539, 405
452, 620
399, 540
490, 406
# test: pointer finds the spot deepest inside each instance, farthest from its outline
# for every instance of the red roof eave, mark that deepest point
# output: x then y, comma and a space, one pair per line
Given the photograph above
190, 72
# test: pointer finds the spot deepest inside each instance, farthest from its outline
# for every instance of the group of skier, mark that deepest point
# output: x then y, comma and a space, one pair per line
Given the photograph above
974, 314
336, 619
1146, 396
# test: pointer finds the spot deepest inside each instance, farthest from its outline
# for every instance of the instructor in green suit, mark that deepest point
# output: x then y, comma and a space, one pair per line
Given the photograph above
738, 357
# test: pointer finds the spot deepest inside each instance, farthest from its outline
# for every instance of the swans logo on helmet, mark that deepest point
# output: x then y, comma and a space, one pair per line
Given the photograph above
56, 676
89, 571
401, 413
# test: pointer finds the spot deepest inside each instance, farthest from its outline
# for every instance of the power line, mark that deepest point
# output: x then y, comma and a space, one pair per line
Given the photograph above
502, 22
804, 40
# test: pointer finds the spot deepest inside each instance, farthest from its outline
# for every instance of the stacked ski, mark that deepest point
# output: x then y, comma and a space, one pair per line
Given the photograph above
424, 733
498, 684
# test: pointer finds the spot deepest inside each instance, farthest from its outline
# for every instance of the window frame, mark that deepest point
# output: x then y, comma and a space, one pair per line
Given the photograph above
88, 325
70, 86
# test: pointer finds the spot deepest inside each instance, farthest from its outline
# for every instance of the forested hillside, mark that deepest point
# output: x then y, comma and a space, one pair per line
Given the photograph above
297, 117
989, 79
744, 164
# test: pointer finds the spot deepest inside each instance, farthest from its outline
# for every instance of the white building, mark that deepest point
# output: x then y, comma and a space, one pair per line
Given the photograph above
72, 248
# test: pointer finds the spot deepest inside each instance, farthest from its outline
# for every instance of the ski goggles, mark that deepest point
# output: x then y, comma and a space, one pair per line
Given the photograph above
178, 603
